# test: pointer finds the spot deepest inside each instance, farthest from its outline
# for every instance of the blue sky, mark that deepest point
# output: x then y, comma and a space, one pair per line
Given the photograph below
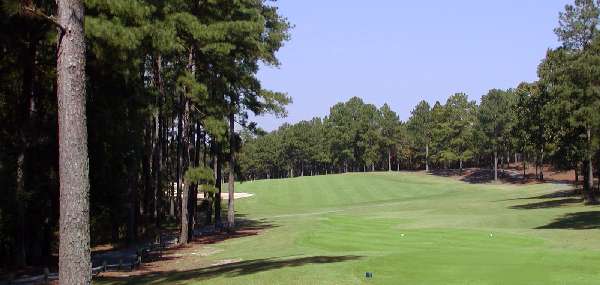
400, 52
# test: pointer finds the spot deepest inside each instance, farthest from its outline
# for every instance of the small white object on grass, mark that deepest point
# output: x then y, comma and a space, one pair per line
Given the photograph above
491, 235
402, 235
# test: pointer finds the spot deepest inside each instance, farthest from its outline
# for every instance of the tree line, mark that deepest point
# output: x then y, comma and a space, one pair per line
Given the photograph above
116, 114
555, 120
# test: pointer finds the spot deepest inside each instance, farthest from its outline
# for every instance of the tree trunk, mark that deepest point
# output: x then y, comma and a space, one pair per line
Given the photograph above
132, 195
389, 160
183, 234
495, 166
460, 166
587, 191
210, 201
25, 117
576, 175
231, 180
193, 199
179, 150
524, 169
427, 157
169, 164
21, 256
589, 171
186, 145
146, 172
218, 185
541, 178
74, 246
158, 141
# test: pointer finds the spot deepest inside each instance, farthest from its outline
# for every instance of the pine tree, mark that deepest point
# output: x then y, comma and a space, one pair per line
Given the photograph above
74, 247
420, 125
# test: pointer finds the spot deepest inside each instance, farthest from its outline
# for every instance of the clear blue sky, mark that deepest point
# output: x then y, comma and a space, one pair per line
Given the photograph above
400, 52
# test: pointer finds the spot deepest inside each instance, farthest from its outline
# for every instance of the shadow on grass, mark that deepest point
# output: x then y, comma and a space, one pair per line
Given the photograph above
244, 226
484, 175
548, 204
576, 221
228, 270
557, 194
480, 175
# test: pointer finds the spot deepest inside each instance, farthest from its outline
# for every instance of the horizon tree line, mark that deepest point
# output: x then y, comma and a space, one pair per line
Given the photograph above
555, 120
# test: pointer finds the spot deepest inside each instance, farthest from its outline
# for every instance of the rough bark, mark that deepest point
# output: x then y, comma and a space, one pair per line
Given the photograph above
186, 145
183, 235
74, 245
231, 180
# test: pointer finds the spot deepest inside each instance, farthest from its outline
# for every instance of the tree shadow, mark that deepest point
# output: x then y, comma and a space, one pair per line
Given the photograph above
243, 227
233, 269
547, 204
484, 175
480, 175
160, 252
569, 193
576, 221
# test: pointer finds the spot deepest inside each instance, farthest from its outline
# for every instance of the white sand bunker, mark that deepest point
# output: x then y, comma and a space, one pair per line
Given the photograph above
236, 195
225, 195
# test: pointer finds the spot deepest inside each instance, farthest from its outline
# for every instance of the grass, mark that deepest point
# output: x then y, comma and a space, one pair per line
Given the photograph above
406, 228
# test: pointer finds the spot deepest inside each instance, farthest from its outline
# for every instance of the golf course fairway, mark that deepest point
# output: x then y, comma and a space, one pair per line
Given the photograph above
404, 228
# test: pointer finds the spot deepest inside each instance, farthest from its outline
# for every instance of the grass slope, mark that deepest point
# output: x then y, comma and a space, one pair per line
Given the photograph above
406, 228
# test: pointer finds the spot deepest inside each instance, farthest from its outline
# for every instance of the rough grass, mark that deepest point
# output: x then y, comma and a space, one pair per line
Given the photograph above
406, 228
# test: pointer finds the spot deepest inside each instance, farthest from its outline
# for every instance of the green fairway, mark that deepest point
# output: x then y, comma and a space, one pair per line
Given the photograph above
405, 228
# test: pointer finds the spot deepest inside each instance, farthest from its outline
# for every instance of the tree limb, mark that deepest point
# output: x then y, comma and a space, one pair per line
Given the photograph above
36, 12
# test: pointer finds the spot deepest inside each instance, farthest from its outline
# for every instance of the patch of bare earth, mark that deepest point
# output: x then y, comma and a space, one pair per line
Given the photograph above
512, 174
186, 257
